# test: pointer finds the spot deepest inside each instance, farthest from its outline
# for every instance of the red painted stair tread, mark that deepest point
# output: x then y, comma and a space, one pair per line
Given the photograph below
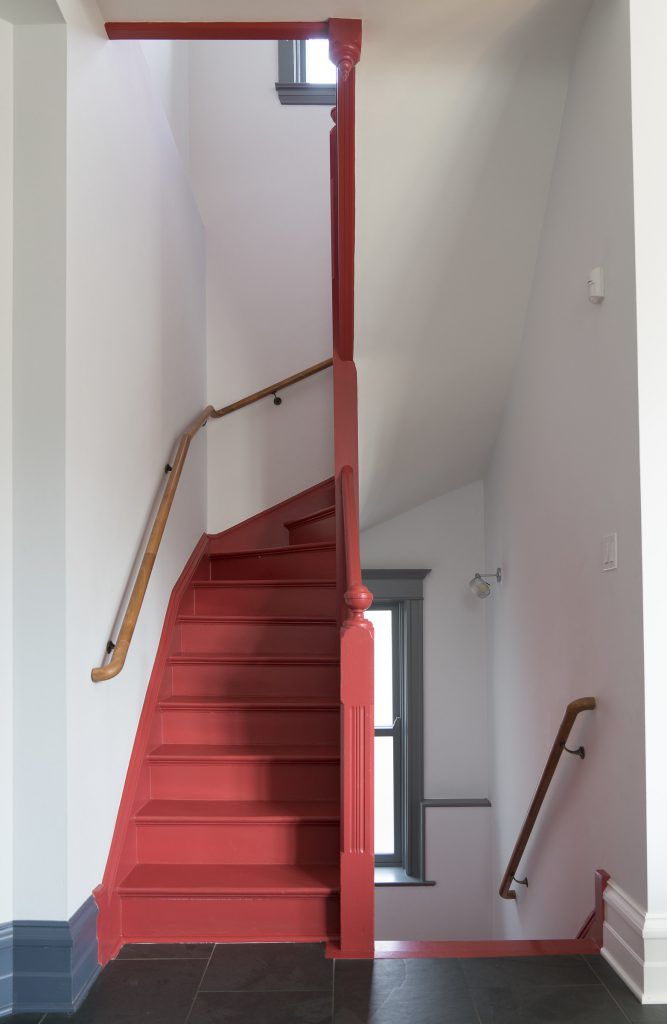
287, 549
222, 879
239, 811
328, 584
262, 620
217, 658
259, 702
211, 752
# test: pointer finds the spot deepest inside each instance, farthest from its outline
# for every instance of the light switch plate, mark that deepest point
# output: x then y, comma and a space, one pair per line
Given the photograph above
610, 552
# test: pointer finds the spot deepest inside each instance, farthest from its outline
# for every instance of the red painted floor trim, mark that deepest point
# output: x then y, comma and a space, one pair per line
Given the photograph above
217, 29
466, 950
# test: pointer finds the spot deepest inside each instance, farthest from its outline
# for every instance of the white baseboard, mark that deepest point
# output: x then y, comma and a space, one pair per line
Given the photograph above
635, 945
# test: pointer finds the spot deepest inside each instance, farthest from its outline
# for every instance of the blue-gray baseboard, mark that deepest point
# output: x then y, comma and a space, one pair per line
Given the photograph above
48, 966
6, 987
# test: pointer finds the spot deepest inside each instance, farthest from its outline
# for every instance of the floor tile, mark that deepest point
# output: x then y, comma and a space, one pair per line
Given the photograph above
628, 1002
527, 972
166, 951
400, 991
262, 967
262, 1008
576, 1004
150, 991
23, 1018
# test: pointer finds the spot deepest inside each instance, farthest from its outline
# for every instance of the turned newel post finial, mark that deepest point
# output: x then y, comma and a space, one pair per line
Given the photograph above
344, 44
358, 598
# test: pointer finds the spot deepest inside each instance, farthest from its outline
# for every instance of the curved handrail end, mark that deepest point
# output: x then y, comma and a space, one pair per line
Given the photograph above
573, 709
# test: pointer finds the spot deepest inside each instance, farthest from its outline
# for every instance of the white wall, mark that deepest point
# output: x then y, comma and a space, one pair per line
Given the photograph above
135, 378
649, 83
445, 535
260, 172
6, 602
565, 473
38, 480
458, 907
169, 64
458, 111
108, 367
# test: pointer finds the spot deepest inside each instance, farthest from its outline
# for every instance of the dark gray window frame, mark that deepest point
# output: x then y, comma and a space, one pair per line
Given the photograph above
292, 87
403, 589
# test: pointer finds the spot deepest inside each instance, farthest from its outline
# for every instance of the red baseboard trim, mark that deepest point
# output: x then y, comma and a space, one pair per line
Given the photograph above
219, 940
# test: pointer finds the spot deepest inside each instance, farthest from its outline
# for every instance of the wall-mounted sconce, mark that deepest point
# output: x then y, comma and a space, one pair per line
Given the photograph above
478, 583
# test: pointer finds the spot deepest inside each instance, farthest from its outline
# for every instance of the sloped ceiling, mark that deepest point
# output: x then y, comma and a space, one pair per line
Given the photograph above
459, 105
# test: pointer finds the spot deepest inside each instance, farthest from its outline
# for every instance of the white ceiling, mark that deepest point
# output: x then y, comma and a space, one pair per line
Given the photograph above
458, 112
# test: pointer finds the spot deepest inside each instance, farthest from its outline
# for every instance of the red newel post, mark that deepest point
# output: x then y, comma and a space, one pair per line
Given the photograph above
357, 924
357, 860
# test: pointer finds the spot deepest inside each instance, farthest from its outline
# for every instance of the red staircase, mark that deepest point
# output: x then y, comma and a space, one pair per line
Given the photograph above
229, 824
245, 815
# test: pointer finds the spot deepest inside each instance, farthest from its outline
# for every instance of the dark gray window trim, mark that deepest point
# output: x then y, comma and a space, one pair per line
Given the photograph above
391, 876
387, 876
404, 587
292, 87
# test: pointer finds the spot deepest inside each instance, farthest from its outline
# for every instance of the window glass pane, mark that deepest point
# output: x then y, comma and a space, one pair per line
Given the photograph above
384, 794
384, 661
319, 69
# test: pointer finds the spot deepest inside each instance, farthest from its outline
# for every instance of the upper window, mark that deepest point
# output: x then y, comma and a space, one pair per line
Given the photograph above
305, 73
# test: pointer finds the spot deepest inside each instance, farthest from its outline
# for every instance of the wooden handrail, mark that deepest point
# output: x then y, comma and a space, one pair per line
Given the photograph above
121, 647
357, 597
571, 712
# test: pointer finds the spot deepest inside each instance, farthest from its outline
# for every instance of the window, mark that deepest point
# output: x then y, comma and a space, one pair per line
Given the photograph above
388, 734
397, 618
305, 73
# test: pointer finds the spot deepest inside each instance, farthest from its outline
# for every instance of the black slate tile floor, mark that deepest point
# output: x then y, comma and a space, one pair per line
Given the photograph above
295, 984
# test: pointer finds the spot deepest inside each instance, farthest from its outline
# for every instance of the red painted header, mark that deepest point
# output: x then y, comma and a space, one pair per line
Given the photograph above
217, 29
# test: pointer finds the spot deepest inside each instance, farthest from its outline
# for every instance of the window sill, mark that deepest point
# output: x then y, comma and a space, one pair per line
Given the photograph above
305, 93
387, 875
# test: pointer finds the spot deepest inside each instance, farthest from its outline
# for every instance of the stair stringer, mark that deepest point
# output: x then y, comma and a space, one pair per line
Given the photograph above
268, 529
122, 852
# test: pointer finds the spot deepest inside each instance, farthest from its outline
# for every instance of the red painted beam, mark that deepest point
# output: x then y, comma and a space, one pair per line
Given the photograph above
217, 29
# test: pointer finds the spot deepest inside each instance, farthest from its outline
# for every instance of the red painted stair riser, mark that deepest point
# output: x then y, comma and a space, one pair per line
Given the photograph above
251, 781
248, 636
238, 844
212, 598
238, 679
262, 919
313, 528
296, 563
251, 727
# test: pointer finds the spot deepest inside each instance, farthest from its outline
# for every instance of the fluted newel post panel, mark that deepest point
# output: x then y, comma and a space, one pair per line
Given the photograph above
356, 668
